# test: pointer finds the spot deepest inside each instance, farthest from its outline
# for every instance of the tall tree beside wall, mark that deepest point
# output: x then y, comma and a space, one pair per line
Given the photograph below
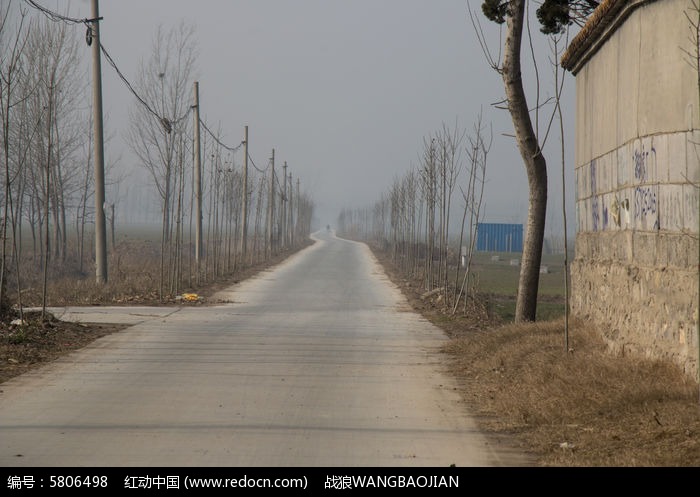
554, 16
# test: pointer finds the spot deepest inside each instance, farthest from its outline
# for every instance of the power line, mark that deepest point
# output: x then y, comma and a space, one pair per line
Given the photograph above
230, 149
256, 167
178, 120
164, 121
167, 124
277, 180
55, 17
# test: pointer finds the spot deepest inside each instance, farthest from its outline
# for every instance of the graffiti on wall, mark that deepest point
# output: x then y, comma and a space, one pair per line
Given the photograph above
642, 205
644, 202
595, 210
599, 211
645, 196
640, 163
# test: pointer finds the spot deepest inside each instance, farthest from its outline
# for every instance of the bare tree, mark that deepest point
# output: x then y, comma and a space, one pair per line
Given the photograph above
52, 58
533, 159
449, 142
56, 47
477, 153
559, 74
429, 189
9, 74
258, 241
164, 82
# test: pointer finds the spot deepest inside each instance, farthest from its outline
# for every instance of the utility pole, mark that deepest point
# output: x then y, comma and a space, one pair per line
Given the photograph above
290, 217
100, 225
244, 224
283, 214
271, 205
197, 180
47, 246
111, 224
298, 208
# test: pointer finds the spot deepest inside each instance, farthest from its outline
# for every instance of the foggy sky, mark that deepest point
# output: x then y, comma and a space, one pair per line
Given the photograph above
345, 91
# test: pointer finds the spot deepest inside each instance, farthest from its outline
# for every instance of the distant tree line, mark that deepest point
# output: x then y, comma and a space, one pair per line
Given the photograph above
412, 219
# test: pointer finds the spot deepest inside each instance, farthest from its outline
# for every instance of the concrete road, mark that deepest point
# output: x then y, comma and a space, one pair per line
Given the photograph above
316, 363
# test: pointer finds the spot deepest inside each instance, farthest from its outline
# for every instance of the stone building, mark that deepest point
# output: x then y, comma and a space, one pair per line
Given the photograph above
635, 273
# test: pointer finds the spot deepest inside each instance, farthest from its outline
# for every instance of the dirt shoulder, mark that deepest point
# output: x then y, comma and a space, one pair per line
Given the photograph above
23, 348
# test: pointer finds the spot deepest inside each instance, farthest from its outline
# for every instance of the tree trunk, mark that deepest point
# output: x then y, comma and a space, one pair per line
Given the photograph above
535, 165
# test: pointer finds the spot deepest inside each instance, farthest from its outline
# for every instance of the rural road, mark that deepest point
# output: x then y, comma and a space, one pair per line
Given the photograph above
318, 362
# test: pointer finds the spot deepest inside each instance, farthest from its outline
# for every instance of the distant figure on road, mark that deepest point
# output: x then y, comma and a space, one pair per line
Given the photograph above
328, 227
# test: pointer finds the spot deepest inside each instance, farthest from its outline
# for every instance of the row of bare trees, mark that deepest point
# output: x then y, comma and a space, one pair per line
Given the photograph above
47, 192
415, 219
161, 136
46, 134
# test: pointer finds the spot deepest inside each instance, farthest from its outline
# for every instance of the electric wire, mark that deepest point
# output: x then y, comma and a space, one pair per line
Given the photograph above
279, 186
163, 120
55, 17
256, 167
230, 149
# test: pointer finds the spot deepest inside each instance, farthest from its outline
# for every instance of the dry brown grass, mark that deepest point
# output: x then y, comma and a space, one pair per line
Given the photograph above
134, 278
586, 408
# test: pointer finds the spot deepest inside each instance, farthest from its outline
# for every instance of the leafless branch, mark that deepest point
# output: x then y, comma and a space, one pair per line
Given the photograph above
493, 62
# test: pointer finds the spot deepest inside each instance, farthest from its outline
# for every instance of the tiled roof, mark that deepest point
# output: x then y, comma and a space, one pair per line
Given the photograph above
597, 24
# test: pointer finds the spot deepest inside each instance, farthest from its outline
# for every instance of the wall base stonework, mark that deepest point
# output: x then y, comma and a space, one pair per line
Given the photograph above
640, 308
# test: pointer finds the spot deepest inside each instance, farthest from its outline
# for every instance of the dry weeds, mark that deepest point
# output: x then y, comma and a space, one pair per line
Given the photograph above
585, 408
134, 279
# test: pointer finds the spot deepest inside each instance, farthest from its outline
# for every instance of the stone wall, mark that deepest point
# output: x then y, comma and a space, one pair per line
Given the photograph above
643, 309
635, 273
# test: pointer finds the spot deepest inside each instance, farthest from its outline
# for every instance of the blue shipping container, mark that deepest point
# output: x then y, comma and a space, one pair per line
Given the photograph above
497, 237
